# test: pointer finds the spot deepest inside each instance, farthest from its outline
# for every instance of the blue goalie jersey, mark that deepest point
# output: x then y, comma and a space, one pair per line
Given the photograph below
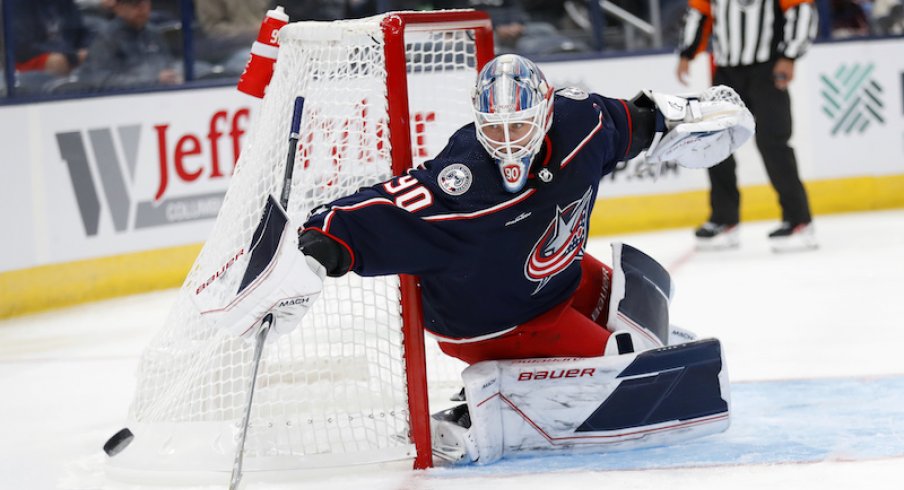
487, 259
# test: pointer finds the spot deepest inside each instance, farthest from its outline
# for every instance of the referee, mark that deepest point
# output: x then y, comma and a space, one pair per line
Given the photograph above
755, 43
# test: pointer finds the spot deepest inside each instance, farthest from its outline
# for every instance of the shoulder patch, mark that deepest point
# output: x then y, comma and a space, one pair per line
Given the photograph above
455, 179
573, 93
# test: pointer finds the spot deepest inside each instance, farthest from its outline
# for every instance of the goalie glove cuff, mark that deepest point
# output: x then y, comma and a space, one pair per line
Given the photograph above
335, 258
647, 124
676, 110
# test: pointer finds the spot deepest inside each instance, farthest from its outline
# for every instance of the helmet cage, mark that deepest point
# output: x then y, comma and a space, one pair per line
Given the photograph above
512, 114
515, 142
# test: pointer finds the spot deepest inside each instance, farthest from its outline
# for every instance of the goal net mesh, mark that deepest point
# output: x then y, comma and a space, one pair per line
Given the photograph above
336, 385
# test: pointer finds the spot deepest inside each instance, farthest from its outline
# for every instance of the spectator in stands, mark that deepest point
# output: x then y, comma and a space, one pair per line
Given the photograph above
508, 16
95, 9
552, 11
228, 29
849, 19
129, 52
357, 9
48, 36
231, 19
166, 11
888, 17
299, 10
513, 29
104, 6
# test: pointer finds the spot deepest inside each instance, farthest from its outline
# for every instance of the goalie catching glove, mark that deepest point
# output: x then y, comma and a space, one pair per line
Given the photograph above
277, 280
700, 130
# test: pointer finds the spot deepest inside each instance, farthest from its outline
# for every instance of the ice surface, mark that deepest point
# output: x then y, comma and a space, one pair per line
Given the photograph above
813, 343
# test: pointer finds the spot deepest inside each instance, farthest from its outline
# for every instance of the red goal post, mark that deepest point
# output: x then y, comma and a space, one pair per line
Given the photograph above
351, 384
394, 27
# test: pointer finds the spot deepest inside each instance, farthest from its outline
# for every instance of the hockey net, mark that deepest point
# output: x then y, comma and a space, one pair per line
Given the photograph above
346, 386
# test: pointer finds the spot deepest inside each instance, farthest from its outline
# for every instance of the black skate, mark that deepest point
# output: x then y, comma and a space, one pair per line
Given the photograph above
791, 237
715, 236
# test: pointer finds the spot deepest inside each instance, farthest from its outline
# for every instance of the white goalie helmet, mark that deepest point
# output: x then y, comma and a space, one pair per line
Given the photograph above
512, 113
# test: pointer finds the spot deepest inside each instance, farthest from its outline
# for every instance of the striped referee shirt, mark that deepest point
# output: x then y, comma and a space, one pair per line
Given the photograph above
746, 32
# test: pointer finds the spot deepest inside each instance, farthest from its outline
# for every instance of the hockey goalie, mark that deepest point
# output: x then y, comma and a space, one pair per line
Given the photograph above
566, 353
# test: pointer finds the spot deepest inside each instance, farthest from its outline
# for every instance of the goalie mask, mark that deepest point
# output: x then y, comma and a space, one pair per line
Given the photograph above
512, 113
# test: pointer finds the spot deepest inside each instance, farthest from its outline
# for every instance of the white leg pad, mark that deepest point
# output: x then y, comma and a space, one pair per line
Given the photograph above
657, 397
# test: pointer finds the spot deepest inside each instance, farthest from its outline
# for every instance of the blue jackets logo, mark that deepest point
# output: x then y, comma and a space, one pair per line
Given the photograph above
561, 243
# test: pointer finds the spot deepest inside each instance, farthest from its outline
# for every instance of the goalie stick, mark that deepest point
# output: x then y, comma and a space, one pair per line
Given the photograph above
264, 242
262, 251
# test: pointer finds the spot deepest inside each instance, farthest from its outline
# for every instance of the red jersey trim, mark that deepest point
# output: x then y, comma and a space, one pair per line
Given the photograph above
340, 241
353, 207
570, 156
482, 212
630, 127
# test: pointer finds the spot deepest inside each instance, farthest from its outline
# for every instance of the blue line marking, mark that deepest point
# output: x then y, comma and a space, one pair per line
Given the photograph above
799, 421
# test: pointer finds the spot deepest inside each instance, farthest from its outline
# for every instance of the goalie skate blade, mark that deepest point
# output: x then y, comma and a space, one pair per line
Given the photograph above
118, 442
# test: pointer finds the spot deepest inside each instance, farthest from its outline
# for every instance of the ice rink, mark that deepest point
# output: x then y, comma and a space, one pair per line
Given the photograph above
813, 343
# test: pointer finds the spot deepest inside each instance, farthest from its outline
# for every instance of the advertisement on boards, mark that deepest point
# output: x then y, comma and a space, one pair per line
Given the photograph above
855, 109
121, 174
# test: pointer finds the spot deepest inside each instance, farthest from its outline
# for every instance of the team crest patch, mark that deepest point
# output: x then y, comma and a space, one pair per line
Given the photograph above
561, 244
455, 179
573, 93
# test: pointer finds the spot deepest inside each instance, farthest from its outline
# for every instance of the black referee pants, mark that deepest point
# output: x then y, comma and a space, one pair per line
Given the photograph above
771, 108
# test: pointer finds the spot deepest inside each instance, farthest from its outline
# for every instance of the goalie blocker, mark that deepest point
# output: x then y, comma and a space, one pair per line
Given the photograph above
276, 280
656, 385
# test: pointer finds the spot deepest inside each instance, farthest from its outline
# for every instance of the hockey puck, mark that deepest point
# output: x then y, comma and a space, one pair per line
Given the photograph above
118, 442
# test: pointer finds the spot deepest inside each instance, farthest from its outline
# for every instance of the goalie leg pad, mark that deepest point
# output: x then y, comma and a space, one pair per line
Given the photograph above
658, 397
639, 302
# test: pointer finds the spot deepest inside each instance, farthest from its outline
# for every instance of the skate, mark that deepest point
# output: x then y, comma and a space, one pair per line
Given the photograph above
793, 237
714, 236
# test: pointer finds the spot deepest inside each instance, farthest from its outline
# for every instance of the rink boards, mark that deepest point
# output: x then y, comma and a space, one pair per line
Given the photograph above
106, 201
